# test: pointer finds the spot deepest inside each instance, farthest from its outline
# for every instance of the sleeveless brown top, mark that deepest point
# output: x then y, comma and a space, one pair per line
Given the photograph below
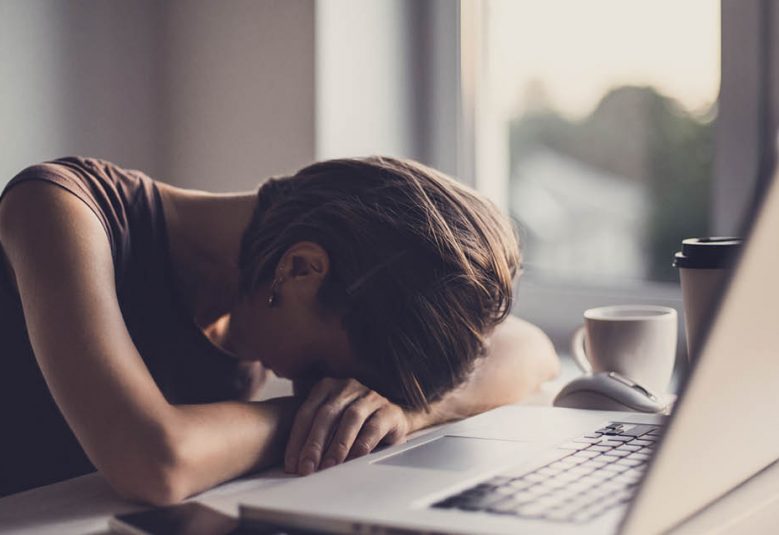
36, 446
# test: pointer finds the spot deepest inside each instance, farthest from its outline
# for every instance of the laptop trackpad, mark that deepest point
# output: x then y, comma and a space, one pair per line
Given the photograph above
457, 453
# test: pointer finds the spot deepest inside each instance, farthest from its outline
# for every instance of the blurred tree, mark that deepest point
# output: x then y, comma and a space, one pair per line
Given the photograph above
641, 135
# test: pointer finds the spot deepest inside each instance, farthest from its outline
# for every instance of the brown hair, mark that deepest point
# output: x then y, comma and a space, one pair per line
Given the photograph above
421, 267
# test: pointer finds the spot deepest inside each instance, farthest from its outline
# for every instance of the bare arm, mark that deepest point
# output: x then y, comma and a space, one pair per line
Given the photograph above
519, 358
148, 449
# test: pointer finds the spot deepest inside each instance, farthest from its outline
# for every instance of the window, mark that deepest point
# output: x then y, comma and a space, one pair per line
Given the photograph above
608, 110
594, 128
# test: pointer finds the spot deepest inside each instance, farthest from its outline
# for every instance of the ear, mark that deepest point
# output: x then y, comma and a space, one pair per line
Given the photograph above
304, 261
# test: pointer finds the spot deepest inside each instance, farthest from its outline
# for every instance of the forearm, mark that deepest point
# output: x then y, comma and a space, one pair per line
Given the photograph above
217, 442
520, 357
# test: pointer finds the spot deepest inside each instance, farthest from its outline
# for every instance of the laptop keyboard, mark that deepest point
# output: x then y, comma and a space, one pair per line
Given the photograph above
595, 473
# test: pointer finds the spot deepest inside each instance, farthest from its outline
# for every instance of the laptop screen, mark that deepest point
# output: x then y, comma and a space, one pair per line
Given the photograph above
723, 429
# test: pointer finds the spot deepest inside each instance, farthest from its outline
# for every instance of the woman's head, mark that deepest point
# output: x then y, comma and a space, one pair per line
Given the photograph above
416, 268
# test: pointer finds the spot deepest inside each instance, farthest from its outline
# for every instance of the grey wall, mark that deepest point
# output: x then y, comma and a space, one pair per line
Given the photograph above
108, 80
364, 91
388, 80
202, 94
239, 90
32, 115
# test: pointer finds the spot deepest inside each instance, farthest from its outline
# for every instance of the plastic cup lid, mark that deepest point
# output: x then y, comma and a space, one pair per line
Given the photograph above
708, 253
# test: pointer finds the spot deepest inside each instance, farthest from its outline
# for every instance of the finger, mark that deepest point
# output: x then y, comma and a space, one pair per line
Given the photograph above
373, 431
322, 428
352, 421
395, 435
302, 424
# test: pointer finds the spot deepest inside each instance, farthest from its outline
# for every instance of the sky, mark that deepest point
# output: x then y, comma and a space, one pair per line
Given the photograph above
580, 49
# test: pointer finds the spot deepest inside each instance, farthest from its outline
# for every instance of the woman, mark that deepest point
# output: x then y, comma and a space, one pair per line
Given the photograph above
138, 320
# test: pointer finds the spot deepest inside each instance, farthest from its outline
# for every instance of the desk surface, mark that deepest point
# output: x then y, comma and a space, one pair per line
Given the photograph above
84, 504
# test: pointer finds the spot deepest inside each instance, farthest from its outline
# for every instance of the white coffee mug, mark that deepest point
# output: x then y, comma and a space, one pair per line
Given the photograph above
638, 341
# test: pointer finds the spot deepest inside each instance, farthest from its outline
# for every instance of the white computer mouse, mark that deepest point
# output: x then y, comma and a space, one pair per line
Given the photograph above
609, 391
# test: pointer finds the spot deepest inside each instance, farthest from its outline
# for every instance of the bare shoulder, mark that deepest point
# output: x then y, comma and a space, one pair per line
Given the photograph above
39, 218
34, 200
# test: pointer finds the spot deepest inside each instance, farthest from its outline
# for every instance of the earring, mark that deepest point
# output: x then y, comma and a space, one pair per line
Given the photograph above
273, 296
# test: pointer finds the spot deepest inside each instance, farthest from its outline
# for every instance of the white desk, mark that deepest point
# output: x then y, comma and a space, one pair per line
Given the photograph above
84, 504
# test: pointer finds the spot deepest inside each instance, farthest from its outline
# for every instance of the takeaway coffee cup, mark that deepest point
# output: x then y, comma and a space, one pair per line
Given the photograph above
704, 264
637, 341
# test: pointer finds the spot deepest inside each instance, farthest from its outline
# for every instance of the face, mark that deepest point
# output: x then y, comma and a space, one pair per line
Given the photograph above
295, 337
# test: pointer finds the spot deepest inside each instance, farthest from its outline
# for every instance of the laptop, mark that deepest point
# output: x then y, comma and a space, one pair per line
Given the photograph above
542, 470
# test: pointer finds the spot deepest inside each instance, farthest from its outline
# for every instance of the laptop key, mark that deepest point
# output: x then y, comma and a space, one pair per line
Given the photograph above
519, 484
567, 493
568, 477
614, 467
613, 484
538, 490
574, 445
557, 514
563, 464
621, 438
627, 480
532, 509
616, 453
510, 505
508, 490
630, 462
549, 471
621, 496
599, 461
524, 497
506, 506
556, 483
586, 454
638, 430
588, 440
582, 470
566, 510
633, 474
568, 461
534, 477
579, 486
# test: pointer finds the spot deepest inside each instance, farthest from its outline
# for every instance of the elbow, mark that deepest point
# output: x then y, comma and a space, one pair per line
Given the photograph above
157, 488
538, 363
153, 474
542, 363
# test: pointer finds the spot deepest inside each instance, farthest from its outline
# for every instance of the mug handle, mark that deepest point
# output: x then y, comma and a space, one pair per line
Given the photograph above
578, 352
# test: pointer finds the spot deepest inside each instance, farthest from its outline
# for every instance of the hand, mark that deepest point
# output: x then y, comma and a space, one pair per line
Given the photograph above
341, 419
